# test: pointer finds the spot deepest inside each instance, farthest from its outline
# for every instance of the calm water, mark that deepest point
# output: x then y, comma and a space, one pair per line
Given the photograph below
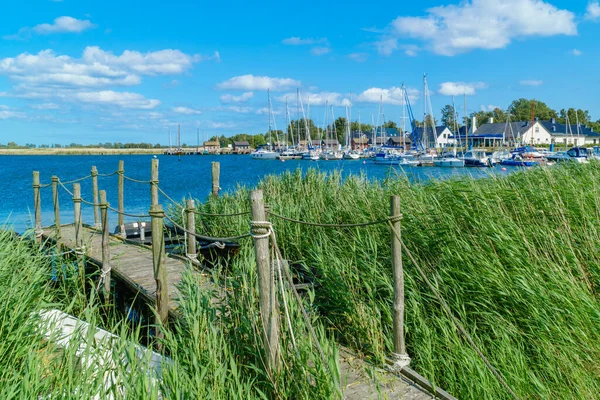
179, 178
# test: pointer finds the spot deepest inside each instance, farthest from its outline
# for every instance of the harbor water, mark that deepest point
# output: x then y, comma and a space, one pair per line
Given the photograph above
180, 177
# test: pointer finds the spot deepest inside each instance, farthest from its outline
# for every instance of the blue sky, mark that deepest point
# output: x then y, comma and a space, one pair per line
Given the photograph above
97, 71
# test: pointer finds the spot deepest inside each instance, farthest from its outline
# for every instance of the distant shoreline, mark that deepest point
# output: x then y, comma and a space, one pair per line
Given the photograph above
77, 151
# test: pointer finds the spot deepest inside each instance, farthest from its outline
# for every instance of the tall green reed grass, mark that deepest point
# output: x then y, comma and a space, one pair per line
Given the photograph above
516, 257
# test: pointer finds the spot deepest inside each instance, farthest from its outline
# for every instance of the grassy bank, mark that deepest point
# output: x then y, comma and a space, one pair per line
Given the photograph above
77, 151
517, 258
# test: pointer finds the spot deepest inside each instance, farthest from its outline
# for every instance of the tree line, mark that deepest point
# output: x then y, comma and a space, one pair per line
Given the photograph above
519, 110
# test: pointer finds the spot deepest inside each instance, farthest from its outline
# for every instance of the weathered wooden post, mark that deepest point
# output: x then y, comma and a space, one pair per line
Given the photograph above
77, 214
79, 247
154, 182
106, 266
121, 173
94, 173
266, 286
216, 171
37, 206
191, 227
56, 205
401, 359
160, 270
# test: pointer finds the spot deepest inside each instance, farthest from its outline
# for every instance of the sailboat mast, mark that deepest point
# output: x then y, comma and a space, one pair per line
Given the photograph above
455, 123
269, 101
169, 140
466, 123
298, 114
178, 136
403, 119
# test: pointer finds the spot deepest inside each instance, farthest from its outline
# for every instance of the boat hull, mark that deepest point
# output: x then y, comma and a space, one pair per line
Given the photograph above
449, 163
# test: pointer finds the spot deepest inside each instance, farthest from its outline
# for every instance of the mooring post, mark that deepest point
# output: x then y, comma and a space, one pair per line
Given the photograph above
94, 174
401, 359
266, 286
56, 205
160, 270
77, 214
106, 267
37, 206
191, 227
154, 182
121, 173
216, 171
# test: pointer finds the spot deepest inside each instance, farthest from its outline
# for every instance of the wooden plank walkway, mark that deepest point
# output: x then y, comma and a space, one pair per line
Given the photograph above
131, 263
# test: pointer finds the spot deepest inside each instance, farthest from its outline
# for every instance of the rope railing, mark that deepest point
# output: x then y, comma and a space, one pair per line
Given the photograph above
222, 215
136, 180
208, 238
353, 225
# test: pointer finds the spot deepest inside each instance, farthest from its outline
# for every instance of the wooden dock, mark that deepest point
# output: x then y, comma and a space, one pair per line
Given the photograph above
131, 263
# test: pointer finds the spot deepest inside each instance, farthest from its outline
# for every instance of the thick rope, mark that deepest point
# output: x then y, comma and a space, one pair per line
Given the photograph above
136, 180
361, 224
166, 195
127, 214
222, 215
207, 238
77, 180
107, 175
455, 320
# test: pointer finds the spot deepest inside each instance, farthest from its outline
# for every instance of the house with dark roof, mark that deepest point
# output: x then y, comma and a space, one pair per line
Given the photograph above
241, 147
536, 133
441, 137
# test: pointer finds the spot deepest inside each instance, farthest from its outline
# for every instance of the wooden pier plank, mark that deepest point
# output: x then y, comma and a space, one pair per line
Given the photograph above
131, 263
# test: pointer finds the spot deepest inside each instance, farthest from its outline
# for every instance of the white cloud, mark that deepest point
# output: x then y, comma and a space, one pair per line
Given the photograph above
251, 82
64, 24
489, 107
162, 62
186, 110
229, 98
531, 82
95, 68
410, 50
121, 99
460, 88
297, 41
318, 98
222, 125
11, 114
479, 24
265, 111
320, 50
576, 52
392, 95
45, 106
358, 57
592, 11
386, 46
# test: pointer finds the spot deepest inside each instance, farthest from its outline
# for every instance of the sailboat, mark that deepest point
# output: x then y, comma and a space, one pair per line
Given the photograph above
450, 160
266, 152
349, 154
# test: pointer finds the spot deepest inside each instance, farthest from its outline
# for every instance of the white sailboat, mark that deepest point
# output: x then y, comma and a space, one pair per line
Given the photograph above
450, 160
266, 152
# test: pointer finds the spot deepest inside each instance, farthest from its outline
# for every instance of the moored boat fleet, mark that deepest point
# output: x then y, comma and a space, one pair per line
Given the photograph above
424, 148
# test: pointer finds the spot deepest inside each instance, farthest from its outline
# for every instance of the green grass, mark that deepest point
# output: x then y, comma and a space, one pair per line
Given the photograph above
517, 258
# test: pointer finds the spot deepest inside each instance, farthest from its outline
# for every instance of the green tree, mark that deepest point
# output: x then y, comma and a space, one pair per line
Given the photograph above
521, 110
449, 116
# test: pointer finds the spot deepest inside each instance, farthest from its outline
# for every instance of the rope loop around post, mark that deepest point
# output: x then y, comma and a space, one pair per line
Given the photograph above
395, 218
400, 361
260, 229
80, 251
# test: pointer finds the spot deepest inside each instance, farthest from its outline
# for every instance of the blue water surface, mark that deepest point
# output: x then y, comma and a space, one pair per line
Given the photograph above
179, 177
